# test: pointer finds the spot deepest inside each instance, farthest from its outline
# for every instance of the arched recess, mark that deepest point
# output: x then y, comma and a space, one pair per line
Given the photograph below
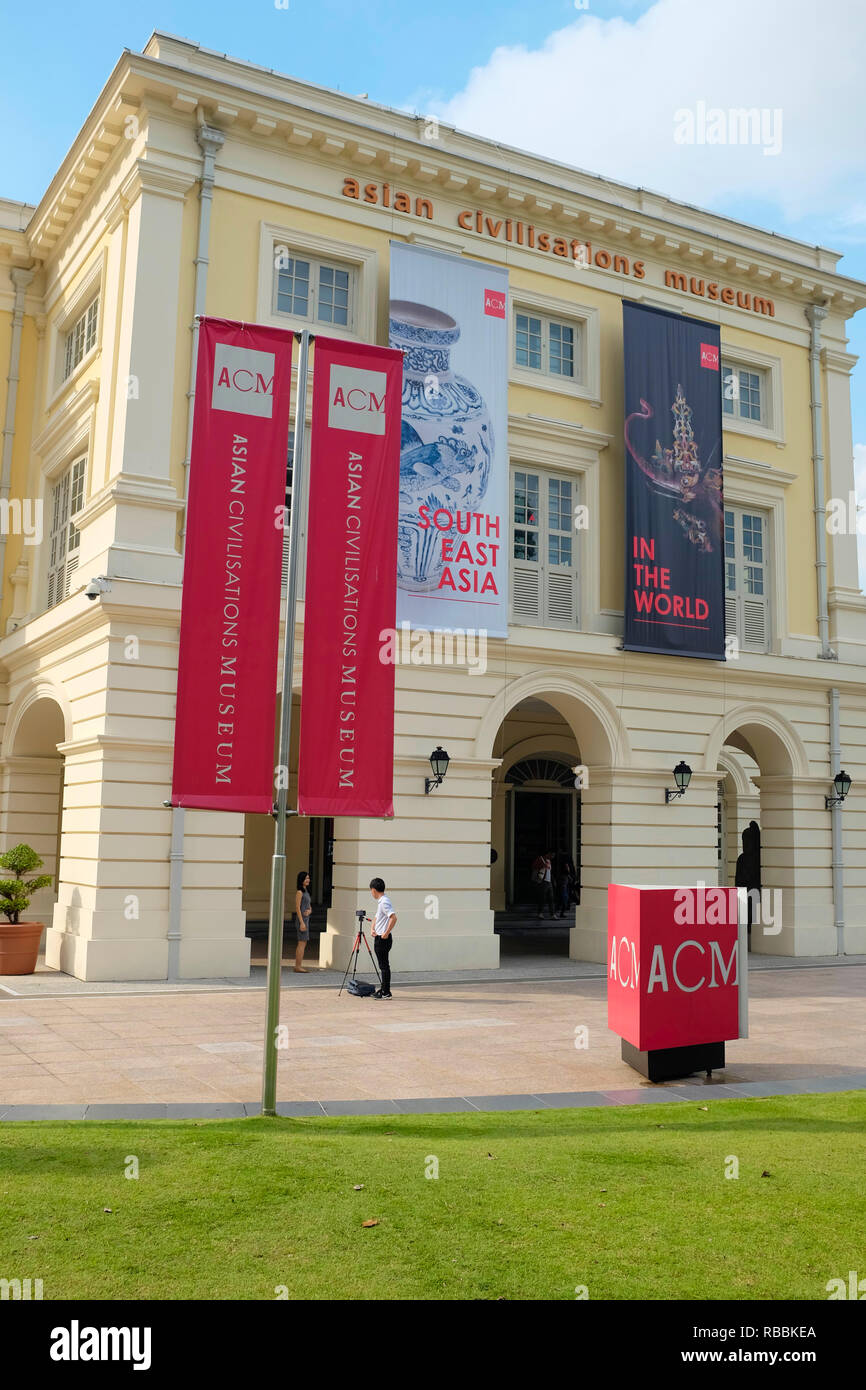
542, 746
739, 802
782, 812
732, 767
31, 782
774, 742
24, 722
592, 717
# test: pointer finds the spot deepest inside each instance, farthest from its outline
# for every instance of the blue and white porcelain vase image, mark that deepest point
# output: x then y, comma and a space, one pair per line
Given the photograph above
446, 446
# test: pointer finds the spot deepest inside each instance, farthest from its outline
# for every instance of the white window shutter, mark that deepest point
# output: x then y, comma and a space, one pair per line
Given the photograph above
561, 597
755, 622
731, 625
526, 591
748, 614
71, 567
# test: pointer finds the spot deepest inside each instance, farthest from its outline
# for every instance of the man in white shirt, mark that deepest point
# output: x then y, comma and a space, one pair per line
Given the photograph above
384, 923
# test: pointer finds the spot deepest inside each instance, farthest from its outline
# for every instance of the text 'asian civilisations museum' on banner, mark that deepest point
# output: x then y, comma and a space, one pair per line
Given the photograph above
346, 758
230, 613
448, 315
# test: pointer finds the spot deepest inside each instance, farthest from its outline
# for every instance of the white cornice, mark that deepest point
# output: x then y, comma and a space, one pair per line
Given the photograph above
750, 470
70, 421
147, 177
839, 361
527, 429
126, 487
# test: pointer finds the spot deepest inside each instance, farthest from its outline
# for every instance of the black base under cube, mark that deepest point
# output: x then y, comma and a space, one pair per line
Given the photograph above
669, 1063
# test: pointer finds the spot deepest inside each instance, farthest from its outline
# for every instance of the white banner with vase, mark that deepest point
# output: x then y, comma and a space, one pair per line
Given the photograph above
449, 316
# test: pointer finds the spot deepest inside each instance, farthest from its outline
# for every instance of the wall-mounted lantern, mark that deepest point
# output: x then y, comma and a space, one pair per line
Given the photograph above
842, 783
439, 761
682, 777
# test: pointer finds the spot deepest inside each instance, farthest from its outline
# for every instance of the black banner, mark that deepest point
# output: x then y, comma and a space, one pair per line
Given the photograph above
674, 572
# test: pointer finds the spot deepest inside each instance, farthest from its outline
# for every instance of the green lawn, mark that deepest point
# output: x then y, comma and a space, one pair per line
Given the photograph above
632, 1202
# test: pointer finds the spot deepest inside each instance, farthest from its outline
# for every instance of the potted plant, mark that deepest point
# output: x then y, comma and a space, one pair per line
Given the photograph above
19, 941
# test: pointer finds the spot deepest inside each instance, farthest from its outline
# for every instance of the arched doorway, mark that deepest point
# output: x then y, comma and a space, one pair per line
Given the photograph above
764, 771
32, 788
544, 813
555, 717
536, 808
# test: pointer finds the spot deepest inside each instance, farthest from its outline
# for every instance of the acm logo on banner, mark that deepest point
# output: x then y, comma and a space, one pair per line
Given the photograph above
356, 399
243, 381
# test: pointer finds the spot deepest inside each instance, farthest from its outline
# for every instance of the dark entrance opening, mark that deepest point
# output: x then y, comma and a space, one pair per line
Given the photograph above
544, 814
320, 863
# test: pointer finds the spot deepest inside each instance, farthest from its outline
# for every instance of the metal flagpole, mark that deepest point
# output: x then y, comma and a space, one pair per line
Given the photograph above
281, 810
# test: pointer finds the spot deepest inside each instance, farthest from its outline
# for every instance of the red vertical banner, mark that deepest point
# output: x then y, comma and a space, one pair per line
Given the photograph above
230, 614
346, 764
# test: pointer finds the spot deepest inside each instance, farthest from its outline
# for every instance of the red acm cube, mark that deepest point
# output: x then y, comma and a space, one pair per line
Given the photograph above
672, 965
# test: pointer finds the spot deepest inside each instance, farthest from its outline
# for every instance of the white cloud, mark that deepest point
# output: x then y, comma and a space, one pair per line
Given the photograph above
603, 94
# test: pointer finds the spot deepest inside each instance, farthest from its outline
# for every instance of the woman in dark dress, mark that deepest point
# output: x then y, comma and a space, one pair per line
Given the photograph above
565, 881
303, 913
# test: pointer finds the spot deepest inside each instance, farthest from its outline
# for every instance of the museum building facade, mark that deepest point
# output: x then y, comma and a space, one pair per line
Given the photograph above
200, 184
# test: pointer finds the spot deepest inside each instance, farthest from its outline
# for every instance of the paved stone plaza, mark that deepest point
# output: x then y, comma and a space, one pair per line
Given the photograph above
495, 1041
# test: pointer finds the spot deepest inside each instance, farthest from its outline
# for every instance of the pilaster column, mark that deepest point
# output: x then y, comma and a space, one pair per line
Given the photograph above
629, 835
847, 605
146, 342
111, 918
796, 862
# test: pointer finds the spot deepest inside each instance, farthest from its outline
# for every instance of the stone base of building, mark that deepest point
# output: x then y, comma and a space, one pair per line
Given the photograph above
122, 959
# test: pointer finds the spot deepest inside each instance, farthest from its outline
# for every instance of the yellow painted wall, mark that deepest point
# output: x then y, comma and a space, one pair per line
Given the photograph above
23, 480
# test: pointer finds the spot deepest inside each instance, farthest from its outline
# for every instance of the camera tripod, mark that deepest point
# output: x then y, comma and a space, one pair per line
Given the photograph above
356, 951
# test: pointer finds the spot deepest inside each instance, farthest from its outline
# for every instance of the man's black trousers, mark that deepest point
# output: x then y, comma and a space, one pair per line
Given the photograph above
382, 947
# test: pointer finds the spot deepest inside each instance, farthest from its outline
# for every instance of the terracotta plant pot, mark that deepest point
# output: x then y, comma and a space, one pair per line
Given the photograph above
19, 947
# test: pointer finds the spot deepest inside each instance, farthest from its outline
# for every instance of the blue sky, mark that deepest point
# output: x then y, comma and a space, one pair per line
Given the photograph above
596, 86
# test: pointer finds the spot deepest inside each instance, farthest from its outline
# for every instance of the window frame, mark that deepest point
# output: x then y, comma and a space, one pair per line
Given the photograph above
316, 265
65, 477
361, 261
543, 563
739, 595
769, 369
83, 321
546, 323
90, 289
584, 319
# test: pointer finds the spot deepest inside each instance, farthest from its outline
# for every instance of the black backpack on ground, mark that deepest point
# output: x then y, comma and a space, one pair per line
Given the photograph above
360, 988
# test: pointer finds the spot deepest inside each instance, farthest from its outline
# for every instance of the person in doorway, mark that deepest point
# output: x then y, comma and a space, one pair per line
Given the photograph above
748, 870
303, 913
565, 880
542, 877
383, 925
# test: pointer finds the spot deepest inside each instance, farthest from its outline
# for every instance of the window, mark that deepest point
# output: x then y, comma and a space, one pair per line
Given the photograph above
543, 549
546, 346
744, 393
746, 579
80, 338
67, 498
313, 290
